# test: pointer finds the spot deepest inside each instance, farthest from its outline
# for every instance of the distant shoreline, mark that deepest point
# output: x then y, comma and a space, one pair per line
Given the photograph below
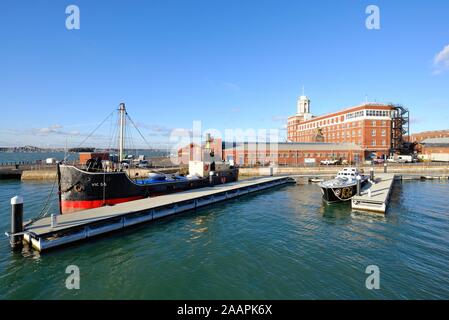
70, 150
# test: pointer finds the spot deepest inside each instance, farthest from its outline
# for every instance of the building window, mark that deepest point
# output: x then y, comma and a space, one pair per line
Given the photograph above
384, 142
373, 143
373, 132
360, 132
374, 123
384, 123
384, 132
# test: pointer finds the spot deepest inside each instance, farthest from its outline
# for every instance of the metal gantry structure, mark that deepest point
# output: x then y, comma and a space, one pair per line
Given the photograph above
400, 127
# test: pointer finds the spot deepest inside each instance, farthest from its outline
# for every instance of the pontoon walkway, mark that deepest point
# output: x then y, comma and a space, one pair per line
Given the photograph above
89, 223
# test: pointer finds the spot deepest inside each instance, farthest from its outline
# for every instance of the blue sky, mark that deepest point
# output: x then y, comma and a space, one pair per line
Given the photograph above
229, 63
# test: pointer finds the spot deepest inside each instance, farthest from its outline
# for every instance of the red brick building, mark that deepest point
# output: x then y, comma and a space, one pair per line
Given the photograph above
368, 125
84, 156
195, 152
291, 153
420, 136
435, 149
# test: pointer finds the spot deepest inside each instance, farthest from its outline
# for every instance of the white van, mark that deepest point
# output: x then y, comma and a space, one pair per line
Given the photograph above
51, 161
400, 159
405, 159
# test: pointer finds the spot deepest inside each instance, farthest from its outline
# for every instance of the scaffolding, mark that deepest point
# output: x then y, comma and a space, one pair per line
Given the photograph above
400, 128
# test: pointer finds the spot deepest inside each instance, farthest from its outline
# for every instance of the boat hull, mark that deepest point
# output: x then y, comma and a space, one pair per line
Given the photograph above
340, 193
81, 190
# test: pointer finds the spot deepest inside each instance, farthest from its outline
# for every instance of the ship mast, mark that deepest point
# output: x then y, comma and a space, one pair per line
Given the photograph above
122, 111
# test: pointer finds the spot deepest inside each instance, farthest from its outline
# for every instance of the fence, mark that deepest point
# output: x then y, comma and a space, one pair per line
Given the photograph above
31, 165
362, 164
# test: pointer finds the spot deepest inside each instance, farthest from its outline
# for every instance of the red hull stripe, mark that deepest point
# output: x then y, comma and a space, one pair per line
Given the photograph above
68, 206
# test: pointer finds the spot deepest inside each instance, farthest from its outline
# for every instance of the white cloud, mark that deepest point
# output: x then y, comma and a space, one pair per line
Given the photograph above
55, 129
231, 86
48, 130
155, 129
279, 118
441, 61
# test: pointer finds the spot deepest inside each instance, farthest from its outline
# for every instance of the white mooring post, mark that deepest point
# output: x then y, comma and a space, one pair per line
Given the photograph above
359, 184
54, 222
385, 168
371, 174
16, 222
211, 177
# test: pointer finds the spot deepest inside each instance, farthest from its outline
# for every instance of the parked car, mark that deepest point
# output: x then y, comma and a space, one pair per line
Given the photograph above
329, 162
392, 159
378, 161
143, 164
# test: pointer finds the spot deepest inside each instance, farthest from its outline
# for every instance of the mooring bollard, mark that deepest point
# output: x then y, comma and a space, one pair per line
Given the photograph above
271, 171
385, 168
371, 174
211, 178
53, 221
359, 185
369, 192
16, 222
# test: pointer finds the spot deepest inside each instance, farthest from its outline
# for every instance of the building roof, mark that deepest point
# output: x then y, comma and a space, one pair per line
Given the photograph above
445, 131
436, 141
420, 136
348, 109
293, 146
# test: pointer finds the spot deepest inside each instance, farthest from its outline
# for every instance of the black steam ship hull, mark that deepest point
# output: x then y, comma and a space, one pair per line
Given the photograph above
81, 190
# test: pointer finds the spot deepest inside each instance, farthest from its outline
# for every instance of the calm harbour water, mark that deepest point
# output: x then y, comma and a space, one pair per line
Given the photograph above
8, 157
277, 244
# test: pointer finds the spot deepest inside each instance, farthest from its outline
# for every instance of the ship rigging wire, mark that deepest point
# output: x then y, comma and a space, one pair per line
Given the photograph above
45, 207
93, 131
140, 133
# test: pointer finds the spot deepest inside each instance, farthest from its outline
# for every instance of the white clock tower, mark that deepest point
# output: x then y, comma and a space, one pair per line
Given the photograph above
303, 106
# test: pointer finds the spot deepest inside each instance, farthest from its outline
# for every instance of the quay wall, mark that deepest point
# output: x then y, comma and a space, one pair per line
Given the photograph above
6, 174
50, 174
39, 175
419, 168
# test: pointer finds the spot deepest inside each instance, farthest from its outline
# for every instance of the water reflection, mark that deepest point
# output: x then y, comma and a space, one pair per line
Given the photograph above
296, 245
333, 211
200, 226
